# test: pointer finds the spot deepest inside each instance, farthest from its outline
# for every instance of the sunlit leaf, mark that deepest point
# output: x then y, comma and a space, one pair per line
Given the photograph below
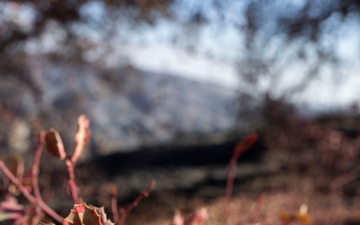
83, 214
300, 216
82, 137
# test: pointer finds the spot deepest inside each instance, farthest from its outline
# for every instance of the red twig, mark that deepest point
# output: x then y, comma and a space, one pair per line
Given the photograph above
346, 178
141, 196
35, 171
114, 206
35, 165
71, 180
240, 148
28, 196
81, 138
258, 206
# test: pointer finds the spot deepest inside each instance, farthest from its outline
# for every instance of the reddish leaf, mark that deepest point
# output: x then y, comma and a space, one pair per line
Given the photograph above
54, 144
83, 214
245, 144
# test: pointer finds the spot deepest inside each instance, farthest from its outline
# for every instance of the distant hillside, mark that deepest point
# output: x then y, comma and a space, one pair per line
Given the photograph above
127, 107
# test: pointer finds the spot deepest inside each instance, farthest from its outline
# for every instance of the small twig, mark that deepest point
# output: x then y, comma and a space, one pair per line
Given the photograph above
35, 166
240, 148
81, 138
257, 208
35, 171
28, 196
141, 196
114, 206
71, 180
346, 178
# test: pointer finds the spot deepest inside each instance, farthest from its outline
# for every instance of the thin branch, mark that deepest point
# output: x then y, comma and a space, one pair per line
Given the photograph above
240, 148
35, 165
114, 206
35, 173
82, 137
257, 208
71, 180
346, 178
28, 196
141, 196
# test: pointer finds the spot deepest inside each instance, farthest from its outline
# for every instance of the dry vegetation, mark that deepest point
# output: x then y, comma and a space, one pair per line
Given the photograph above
319, 163
317, 183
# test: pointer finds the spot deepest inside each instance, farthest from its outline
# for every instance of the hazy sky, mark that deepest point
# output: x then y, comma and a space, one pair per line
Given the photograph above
218, 46
221, 68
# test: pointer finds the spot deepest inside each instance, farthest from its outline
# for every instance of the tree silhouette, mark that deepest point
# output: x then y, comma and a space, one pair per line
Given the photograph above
276, 39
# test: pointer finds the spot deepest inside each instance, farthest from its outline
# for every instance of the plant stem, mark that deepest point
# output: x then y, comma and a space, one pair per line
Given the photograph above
35, 165
71, 180
256, 211
114, 206
141, 196
240, 148
38, 202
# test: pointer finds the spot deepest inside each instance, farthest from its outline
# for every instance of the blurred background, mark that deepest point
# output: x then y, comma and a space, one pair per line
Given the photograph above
157, 72
160, 80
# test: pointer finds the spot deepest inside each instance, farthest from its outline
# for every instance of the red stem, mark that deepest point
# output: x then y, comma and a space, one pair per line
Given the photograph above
35, 166
258, 206
349, 176
114, 206
240, 148
28, 196
141, 196
35, 171
71, 180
